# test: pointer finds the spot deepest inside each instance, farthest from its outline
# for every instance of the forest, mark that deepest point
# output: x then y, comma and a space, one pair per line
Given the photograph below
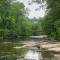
14, 22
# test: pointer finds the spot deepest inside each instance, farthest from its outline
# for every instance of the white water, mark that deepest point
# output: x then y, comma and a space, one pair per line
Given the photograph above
33, 55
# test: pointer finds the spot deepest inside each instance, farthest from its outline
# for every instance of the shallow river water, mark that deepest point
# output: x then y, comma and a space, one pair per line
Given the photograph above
33, 55
8, 52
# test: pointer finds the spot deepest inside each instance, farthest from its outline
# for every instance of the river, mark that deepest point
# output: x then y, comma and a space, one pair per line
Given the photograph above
33, 55
13, 51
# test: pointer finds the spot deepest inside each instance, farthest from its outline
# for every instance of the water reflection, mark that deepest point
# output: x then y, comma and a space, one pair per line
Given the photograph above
32, 55
13, 51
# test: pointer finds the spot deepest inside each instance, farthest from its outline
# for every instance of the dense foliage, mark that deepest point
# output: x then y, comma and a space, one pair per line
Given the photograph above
51, 22
13, 21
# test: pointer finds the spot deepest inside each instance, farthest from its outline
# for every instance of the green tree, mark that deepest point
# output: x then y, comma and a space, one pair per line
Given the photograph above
52, 19
5, 22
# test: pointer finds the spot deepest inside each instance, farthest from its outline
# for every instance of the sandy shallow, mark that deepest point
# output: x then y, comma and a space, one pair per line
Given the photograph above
51, 46
55, 46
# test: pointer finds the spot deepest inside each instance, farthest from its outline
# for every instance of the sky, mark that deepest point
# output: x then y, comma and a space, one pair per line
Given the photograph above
34, 9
